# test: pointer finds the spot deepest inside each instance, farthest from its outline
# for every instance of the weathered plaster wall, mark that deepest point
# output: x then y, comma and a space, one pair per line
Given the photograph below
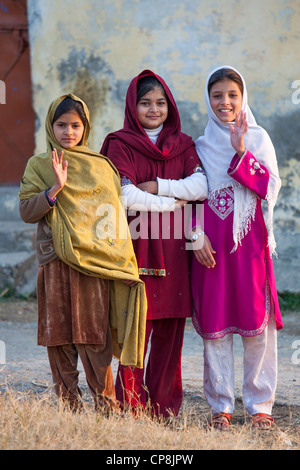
93, 48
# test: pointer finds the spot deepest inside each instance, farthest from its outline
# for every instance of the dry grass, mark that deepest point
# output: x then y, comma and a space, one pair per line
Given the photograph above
32, 421
35, 420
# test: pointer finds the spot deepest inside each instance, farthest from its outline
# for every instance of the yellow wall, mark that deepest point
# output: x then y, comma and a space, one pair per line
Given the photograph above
93, 48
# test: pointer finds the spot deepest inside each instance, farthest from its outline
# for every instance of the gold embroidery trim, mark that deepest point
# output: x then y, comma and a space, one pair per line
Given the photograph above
152, 272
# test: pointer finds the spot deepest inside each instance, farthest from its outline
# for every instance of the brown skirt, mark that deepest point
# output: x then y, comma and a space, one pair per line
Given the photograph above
72, 307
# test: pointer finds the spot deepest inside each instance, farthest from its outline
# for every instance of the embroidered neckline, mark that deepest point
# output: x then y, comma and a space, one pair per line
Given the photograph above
223, 203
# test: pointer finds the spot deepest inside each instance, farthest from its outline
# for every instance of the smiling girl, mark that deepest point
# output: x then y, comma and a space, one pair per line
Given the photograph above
233, 283
160, 171
62, 190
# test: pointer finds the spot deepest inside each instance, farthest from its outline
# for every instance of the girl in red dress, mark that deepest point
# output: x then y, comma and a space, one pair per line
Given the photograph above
152, 155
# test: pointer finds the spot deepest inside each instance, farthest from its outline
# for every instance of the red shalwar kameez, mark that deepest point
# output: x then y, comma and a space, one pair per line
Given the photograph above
164, 263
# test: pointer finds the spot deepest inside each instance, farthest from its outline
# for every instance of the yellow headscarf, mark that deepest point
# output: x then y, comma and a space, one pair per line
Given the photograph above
90, 231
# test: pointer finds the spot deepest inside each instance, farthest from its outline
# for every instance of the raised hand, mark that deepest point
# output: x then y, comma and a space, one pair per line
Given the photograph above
60, 172
238, 131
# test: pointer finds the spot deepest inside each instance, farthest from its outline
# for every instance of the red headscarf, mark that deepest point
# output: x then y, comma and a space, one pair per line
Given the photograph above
168, 156
171, 141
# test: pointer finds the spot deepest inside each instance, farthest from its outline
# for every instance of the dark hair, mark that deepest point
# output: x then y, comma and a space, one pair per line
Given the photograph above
146, 84
67, 105
223, 74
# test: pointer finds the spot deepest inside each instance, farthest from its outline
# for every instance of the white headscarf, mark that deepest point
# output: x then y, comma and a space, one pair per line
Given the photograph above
216, 152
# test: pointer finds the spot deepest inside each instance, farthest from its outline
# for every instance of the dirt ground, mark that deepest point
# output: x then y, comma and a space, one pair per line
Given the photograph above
26, 364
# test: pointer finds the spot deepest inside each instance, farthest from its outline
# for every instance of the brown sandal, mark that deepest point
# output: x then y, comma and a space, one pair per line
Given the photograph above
262, 421
220, 421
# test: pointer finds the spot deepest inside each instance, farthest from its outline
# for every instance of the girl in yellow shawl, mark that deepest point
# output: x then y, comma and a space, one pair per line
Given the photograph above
91, 302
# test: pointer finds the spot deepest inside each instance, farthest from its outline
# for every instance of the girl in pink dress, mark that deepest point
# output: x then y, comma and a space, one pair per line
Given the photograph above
233, 283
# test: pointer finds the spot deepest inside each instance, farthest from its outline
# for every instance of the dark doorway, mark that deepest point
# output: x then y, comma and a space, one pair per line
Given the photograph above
16, 115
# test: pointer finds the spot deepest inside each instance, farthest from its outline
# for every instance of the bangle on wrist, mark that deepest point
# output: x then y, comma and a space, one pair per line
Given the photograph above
51, 200
196, 236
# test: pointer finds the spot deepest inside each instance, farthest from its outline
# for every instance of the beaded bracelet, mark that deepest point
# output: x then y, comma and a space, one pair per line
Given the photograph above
50, 200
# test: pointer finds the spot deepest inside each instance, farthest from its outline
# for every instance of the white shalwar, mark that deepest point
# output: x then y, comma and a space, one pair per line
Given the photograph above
260, 372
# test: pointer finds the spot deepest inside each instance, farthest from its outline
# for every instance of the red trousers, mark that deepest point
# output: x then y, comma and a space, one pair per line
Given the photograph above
161, 388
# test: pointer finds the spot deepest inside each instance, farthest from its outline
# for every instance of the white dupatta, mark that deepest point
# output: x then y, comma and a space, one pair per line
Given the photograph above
216, 152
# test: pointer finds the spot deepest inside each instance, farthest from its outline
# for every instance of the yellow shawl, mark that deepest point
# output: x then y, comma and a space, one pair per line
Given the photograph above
90, 232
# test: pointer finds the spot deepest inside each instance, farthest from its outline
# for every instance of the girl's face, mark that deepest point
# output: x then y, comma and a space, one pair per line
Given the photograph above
68, 129
152, 109
226, 100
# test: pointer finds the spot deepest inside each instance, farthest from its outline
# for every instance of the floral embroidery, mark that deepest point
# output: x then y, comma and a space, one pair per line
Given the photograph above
255, 166
222, 203
125, 181
152, 272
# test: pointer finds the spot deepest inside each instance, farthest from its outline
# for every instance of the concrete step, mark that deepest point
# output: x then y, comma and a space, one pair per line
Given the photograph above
18, 270
17, 236
18, 265
9, 203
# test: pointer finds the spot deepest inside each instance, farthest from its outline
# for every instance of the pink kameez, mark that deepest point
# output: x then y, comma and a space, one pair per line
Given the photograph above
239, 294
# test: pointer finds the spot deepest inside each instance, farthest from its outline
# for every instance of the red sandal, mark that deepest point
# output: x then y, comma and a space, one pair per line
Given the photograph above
262, 421
220, 421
